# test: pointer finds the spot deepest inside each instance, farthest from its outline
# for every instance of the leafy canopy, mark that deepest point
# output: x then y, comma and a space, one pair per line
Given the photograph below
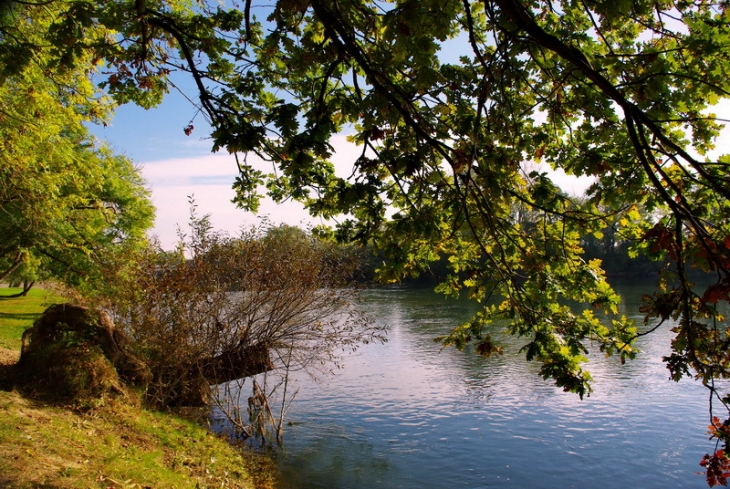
66, 204
450, 101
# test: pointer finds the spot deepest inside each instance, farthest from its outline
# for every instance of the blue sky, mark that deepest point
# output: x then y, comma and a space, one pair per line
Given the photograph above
177, 166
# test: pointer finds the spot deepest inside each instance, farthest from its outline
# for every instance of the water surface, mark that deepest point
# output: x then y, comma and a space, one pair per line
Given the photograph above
407, 414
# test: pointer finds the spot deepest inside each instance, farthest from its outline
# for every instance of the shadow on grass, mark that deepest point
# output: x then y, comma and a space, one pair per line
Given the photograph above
7, 377
24, 316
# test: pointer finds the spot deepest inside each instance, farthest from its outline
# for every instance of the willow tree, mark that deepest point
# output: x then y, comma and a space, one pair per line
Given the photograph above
449, 101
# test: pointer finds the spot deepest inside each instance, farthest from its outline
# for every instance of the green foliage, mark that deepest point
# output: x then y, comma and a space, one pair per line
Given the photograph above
451, 103
65, 204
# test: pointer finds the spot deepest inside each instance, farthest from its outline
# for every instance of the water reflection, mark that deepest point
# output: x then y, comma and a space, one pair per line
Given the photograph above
409, 415
339, 454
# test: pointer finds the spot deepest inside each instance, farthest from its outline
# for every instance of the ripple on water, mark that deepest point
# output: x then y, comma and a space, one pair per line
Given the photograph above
406, 415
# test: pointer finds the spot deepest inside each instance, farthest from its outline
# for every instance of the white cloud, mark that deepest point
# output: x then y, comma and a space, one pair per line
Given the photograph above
209, 180
210, 177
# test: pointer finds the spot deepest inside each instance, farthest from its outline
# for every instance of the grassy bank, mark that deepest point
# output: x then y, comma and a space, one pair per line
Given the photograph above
114, 445
17, 314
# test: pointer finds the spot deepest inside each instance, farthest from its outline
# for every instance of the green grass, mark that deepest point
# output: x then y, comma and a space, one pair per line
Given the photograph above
114, 445
17, 314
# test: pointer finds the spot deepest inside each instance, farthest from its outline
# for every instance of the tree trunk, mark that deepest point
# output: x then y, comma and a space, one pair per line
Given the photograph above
64, 326
191, 387
16, 263
26, 288
236, 363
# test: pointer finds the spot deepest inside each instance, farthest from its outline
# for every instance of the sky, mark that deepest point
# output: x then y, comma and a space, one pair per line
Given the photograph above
177, 166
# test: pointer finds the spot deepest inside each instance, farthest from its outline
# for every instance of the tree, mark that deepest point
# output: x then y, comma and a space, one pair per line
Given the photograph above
26, 273
65, 204
448, 100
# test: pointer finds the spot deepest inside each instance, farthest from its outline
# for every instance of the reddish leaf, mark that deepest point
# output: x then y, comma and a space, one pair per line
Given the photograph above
540, 152
717, 468
716, 293
377, 133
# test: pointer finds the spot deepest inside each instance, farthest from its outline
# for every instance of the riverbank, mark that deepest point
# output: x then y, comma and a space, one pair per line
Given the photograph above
110, 445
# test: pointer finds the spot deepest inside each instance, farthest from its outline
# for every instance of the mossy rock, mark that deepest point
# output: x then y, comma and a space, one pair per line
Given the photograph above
74, 353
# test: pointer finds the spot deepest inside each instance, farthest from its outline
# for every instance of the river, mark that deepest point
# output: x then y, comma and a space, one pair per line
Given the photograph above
407, 414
